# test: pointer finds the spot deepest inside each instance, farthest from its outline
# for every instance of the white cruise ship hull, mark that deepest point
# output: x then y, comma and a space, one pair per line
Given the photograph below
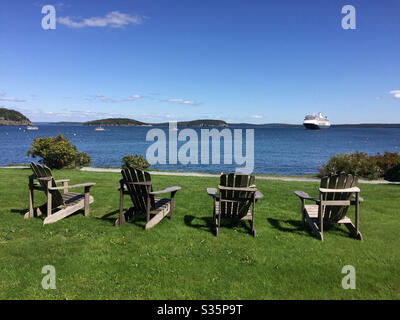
316, 125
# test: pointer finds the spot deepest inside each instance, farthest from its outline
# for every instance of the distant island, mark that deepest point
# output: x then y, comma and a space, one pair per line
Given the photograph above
264, 125
196, 123
115, 122
220, 123
132, 122
10, 117
367, 125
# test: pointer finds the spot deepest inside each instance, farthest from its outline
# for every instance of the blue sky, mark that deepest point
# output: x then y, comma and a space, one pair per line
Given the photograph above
239, 61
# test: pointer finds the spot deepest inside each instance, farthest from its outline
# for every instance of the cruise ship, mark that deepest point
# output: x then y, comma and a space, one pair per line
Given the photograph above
315, 122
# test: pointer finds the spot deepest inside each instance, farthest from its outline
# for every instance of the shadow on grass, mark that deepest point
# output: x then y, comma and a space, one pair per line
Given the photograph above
19, 211
207, 224
43, 210
298, 227
136, 219
107, 216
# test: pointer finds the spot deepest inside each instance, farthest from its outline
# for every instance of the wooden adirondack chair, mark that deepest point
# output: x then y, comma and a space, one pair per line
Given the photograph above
236, 199
137, 184
65, 204
336, 194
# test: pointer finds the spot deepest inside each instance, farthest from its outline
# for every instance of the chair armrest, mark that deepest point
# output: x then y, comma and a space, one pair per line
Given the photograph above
304, 196
360, 199
249, 189
62, 180
45, 178
213, 193
81, 185
140, 183
349, 190
170, 189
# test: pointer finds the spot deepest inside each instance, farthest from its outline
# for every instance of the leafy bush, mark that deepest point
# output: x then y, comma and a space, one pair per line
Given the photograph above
58, 153
363, 165
387, 161
393, 174
138, 162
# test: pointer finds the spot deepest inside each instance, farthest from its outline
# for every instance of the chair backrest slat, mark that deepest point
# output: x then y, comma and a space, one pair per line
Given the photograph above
138, 193
42, 171
235, 203
223, 181
127, 176
229, 193
341, 181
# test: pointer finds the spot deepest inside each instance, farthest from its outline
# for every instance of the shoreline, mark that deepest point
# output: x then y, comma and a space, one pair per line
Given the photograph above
214, 175
245, 125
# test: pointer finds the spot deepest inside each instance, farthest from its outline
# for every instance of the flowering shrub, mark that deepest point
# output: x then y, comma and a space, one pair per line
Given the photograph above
393, 174
58, 152
364, 165
138, 162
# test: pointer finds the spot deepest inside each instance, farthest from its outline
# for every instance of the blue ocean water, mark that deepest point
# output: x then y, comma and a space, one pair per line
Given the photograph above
283, 150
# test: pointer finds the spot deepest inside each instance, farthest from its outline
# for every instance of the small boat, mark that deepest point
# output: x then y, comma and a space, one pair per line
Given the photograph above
99, 129
32, 128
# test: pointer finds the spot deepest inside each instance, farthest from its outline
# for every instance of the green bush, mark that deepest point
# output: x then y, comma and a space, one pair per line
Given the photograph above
387, 161
393, 174
58, 152
363, 165
138, 162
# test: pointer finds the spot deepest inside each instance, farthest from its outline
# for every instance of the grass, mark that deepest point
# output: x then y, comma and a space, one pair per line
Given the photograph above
182, 259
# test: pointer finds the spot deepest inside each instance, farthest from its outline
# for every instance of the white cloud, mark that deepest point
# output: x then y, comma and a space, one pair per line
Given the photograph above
183, 101
395, 93
36, 114
114, 19
103, 98
257, 116
10, 99
134, 97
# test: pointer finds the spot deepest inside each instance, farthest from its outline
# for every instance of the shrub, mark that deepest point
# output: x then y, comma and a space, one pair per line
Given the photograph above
363, 165
393, 174
58, 152
387, 161
138, 162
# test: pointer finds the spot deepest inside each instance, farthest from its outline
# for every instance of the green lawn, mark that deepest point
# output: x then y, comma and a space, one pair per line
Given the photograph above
182, 259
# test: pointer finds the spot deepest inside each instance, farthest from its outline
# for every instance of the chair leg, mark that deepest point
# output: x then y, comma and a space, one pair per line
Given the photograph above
171, 213
253, 229
353, 230
303, 218
218, 225
313, 223
31, 204
121, 218
86, 202
49, 204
